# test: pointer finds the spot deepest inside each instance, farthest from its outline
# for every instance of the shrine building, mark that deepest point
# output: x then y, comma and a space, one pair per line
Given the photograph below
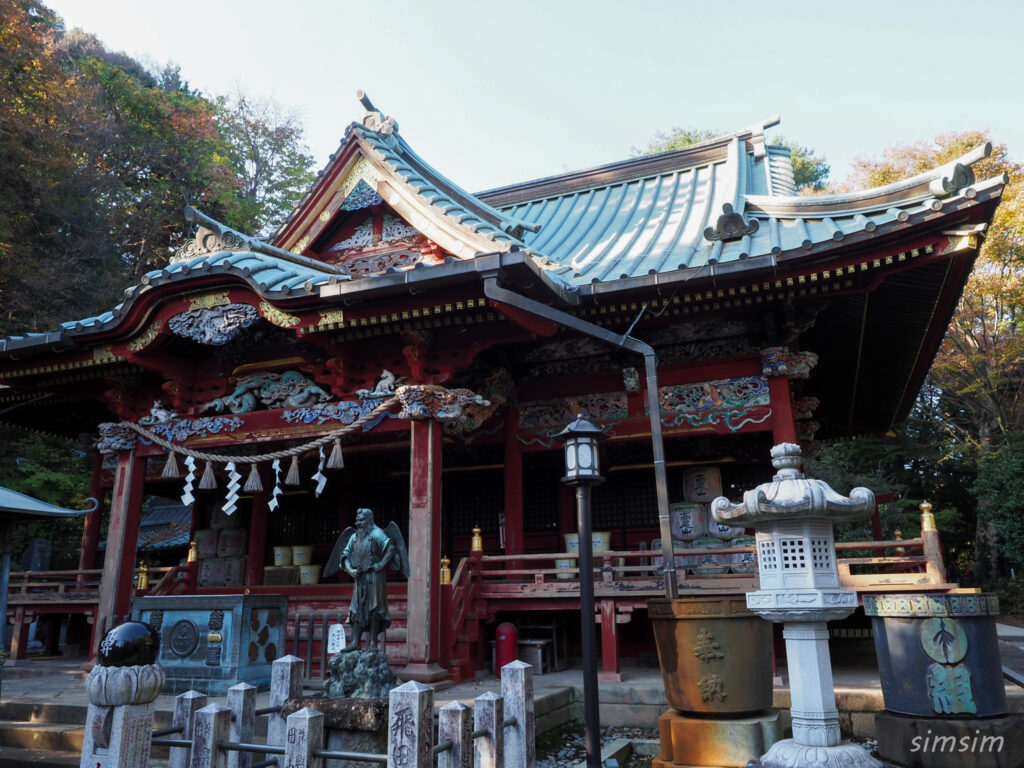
404, 345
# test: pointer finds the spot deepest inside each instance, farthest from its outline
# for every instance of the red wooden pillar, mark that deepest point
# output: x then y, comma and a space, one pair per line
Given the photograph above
783, 423
514, 539
91, 532
117, 582
609, 643
19, 636
423, 612
257, 536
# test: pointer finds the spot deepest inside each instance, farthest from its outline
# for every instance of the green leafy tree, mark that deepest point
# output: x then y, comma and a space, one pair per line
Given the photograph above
267, 158
999, 483
51, 469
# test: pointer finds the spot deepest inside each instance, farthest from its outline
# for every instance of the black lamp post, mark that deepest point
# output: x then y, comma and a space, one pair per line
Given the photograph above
582, 469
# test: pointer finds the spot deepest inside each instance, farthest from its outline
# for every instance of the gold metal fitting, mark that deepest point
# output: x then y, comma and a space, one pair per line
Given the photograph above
143, 576
214, 637
193, 552
477, 544
927, 518
446, 572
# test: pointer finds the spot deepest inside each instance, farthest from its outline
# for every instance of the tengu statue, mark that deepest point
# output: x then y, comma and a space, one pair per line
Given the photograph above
364, 552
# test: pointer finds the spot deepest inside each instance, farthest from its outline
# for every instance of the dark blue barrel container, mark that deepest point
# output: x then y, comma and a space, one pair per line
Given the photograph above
938, 655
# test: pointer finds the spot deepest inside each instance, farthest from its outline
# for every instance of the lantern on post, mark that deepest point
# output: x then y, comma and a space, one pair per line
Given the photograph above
582, 470
582, 465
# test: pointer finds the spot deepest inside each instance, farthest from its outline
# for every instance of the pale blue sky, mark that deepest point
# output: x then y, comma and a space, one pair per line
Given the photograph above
495, 93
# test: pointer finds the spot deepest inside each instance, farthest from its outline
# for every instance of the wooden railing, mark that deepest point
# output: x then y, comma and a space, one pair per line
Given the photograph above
912, 564
53, 586
170, 579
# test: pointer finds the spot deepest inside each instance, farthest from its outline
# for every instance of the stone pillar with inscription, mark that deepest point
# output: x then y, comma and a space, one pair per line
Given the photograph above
799, 578
122, 688
428, 407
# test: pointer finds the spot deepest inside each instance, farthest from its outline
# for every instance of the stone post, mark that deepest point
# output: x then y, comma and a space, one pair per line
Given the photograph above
411, 726
121, 690
489, 716
185, 707
305, 733
212, 726
799, 577
119, 720
285, 683
455, 724
517, 691
242, 703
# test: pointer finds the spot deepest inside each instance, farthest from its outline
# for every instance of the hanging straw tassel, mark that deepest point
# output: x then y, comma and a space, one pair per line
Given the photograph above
293, 472
253, 484
209, 480
336, 461
171, 471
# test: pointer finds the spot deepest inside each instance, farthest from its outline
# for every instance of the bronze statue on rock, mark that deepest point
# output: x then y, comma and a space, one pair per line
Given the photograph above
364, 552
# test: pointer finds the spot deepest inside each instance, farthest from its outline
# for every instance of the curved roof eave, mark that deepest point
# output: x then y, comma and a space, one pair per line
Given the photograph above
15, 506
914, 189
987, 190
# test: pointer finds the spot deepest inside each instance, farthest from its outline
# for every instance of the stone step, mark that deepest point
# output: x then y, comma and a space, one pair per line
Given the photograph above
17, 757
57, 737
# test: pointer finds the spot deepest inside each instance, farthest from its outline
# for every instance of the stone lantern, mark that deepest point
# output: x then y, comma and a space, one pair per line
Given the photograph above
796, 556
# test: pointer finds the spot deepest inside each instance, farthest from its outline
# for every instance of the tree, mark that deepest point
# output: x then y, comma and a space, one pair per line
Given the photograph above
975, 388
268, 159
99, 155
51, 469
810, 170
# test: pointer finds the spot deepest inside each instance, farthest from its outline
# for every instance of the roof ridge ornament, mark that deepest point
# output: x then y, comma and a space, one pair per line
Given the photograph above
730, 225
960, 176
375, 120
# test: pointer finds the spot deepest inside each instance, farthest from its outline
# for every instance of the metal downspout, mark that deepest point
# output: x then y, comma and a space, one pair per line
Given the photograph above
495, 292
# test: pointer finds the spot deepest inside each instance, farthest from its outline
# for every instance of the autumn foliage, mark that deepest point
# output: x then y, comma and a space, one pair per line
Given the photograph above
99, 155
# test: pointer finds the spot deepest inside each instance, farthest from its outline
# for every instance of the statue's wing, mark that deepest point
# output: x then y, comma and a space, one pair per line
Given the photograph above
402, 553
333, 564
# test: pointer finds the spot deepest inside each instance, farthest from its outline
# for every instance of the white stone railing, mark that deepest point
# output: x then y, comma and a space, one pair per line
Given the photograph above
497, 732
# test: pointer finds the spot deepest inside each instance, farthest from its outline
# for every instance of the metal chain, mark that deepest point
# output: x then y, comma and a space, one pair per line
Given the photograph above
295, 451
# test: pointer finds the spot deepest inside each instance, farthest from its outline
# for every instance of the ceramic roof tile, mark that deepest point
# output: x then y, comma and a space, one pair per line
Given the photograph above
630, 227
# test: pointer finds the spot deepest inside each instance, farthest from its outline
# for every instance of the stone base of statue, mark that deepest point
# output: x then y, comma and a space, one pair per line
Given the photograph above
363, 674
119, 720
351, 725
935, 742
788, 754
726, 742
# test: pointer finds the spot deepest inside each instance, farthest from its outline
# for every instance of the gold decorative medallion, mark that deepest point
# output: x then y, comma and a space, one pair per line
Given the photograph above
207, 300
103, 354
331, 317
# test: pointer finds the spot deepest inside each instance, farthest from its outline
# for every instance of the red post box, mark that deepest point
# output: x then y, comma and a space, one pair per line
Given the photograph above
506, 645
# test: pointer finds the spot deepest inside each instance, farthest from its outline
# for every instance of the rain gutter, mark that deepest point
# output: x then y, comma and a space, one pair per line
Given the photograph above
495, 292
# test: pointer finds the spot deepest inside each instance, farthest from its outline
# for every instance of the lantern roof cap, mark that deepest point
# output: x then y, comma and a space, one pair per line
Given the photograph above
790, 495
581, 427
